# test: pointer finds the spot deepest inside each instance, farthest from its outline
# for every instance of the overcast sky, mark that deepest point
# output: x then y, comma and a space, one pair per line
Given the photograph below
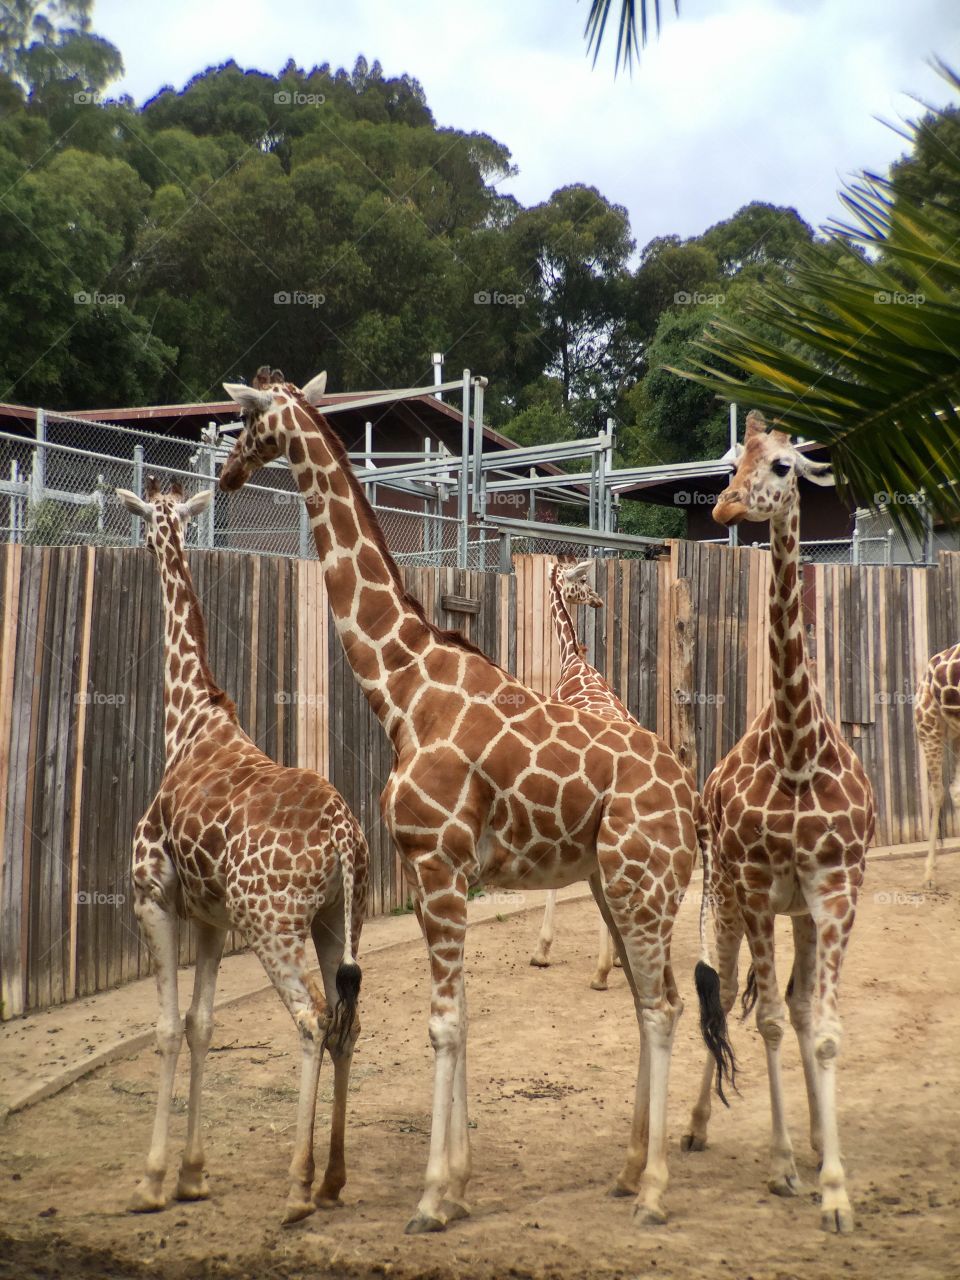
739, 100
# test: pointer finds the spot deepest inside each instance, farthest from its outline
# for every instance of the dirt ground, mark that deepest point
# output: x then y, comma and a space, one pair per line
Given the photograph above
552, 1067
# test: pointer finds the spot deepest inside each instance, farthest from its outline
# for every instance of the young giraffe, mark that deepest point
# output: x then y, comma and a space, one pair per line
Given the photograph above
792, 815
495, 782
580, 685
234, 841
937, 716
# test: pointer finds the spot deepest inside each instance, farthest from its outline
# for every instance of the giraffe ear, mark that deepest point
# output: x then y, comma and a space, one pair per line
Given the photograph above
820, 473
313, 392
136, 506
193, 506
578, 571
249, 399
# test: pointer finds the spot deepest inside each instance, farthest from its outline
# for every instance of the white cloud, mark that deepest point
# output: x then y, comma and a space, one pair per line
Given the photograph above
739, 100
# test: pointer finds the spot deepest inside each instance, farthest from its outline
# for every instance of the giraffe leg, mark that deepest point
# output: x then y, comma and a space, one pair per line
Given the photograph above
933, 754
833, 922
729, 936
541, 956
328, 936
784, 1179
160, 929
284, 959
454, 1204
444, 932
192, 1183
604, 959
800, 992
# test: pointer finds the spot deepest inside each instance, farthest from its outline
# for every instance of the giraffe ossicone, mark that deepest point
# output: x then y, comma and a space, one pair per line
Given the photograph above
233, 840
792, 815
490, 781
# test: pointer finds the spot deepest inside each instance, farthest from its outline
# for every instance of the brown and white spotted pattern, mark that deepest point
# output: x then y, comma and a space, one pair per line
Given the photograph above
792, 815
937, 716
580, 685
491, 781
234, 841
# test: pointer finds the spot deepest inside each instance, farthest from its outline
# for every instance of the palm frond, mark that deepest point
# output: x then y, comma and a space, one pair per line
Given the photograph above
632, 28
862, 352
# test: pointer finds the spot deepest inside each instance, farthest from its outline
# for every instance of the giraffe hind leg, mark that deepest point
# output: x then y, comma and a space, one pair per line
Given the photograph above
541, 955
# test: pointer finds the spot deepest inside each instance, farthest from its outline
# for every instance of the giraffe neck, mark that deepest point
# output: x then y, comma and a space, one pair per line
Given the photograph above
189, 689
381, 629
796, 707
563, 623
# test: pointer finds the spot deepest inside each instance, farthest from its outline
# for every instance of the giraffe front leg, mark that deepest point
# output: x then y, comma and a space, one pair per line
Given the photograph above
933, 753
443, 918
192, 1182
541, 956
455, 1204
800, 992
160, 930
784, 1180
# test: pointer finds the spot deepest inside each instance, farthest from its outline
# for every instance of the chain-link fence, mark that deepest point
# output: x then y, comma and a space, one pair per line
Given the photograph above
61, 490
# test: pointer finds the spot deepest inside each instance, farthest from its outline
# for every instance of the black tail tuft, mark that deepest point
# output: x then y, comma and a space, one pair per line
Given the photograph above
750, 993
713, 1026
348, 993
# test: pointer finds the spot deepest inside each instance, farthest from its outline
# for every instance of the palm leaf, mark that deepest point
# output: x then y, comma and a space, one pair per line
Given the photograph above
863, 354
632, 28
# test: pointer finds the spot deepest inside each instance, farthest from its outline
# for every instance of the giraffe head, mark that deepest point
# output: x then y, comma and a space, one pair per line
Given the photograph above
264, 405
764, 485
571, 580
164, 514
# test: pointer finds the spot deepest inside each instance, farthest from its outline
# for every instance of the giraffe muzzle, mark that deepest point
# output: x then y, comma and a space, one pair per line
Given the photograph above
729, 511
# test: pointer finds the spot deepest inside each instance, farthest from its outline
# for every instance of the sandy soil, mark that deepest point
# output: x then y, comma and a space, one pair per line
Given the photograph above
552, 1067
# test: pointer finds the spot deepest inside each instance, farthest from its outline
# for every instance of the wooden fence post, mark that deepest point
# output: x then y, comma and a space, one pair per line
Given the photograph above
682, 731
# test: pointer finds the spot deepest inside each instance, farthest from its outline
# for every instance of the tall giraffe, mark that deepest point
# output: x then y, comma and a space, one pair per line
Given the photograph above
580, 685
234, 841
494, 782
792, 816
937, 716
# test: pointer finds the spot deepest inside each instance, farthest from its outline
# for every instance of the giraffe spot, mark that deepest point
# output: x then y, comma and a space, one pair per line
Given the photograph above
577, 803
558, 758
371, 565
295, 451
377, 612
341, 586
343, 522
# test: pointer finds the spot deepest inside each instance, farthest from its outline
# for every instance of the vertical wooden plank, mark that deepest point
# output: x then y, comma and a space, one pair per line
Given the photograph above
11, 1001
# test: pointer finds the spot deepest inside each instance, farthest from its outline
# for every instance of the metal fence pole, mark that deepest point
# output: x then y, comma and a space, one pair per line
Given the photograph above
478, 499
136, 524
14, 501
506, 555
39, 468
462, 505
210, 458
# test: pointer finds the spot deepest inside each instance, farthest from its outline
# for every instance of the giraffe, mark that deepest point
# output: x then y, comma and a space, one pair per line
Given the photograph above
792, 815
937, 716
580, 685
492, 781
234, 841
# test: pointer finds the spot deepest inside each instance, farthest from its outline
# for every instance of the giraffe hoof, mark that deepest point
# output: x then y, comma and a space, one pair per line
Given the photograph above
191, 1187
693, 1142
620, 1192
296, 1211
599, 984
454, 1210
649, 1217
146, 1200
930, 886
618, 963
787, 1184
326, 1203
421, 1223
837, 1221
540, 962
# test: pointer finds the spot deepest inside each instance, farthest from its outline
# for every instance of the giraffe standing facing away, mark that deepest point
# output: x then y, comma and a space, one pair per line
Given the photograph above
491, 781
580, 685
792, 815
937, 717
234, 841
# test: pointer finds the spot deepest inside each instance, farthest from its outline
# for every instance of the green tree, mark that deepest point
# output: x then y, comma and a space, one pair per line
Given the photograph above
48, 43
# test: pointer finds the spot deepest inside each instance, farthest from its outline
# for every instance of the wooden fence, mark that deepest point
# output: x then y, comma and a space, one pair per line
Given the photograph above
81, 670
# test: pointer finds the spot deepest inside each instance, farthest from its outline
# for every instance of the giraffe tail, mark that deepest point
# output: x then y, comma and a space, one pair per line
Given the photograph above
713, 1019
348, 975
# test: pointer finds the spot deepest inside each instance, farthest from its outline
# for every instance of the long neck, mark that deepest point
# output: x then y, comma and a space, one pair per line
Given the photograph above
562, 621
795, 701
189, 690
382, 632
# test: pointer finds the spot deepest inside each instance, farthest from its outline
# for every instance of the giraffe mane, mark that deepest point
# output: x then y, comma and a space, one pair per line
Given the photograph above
336, 447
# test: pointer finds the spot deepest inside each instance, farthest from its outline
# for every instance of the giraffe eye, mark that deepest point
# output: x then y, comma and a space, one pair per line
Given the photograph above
782, 467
